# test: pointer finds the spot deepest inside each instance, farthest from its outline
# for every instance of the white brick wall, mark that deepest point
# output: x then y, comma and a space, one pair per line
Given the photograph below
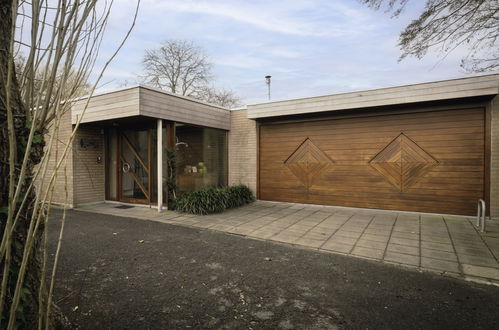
242, 150
89, 180
59, 193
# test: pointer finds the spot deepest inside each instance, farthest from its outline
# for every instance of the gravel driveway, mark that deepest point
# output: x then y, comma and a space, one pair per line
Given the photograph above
124, 273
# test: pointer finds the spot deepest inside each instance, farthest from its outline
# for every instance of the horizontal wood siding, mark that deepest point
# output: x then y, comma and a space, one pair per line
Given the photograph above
450, 142
170, 107
120, 104
442, 90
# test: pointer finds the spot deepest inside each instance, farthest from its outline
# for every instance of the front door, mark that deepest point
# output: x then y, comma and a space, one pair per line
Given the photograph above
135, 165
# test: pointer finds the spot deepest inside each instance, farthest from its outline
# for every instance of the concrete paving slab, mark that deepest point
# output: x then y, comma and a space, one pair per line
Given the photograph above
441, 255
400, 258
444, 239
308, 242
343, 240
478, 260
316, 236
375, 238
412, 250
484, 272
437, 246
337, 246
437, 264
445, 245
406, 235
404, 241
371, 244
345, 233
368, 252
472, 251
379, 232
262, 234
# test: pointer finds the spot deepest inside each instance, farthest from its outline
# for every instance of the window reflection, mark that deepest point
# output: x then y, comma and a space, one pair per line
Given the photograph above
201, 156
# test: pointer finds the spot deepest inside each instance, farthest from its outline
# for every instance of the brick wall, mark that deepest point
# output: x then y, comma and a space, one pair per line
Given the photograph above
242, 150
88, 174
59, 192
494, 158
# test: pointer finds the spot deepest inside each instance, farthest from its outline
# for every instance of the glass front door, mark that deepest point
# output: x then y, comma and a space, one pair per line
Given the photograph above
135, 166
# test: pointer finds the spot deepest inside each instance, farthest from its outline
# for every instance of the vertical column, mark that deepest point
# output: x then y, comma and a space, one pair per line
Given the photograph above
160, 164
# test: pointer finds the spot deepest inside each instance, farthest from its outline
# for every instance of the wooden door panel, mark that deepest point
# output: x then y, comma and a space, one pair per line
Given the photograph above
427, 161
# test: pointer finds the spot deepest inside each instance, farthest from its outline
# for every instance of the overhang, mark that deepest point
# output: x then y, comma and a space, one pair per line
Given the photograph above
424, 92
149, 102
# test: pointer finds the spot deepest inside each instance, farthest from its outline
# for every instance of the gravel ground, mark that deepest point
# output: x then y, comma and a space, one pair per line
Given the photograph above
124, 273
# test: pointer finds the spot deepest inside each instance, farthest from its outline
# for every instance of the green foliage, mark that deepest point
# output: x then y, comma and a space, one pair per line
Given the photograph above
238, 195
171, 180
4, 210
203, 201
213, 200
37, 138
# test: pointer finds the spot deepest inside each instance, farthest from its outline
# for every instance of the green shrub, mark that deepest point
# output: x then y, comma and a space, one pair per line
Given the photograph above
213, 200
238, 196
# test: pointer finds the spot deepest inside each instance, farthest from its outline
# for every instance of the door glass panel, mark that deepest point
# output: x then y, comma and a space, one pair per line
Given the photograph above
135, 165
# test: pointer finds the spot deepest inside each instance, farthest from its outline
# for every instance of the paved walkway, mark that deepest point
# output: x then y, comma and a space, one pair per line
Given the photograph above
446, 244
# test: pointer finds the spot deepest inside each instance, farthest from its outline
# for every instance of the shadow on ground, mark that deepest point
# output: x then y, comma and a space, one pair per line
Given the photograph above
125, 273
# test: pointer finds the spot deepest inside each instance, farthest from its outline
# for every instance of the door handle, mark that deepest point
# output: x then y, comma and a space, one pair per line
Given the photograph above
125, 167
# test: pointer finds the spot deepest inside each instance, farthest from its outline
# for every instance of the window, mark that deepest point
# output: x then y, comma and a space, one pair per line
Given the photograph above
201, 156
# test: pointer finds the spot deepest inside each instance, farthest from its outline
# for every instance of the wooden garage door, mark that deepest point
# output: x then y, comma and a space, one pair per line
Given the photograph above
426, 161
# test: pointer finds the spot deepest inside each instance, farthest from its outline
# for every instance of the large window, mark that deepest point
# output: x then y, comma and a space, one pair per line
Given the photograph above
201, 156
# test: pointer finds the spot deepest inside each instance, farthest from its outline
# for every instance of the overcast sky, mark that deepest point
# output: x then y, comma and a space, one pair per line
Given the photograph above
310, 47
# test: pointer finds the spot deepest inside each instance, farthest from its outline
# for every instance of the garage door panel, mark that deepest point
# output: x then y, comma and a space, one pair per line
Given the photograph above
376, 133
372, 201
379, 138
385, 122
362, 182
409, 119
441, 169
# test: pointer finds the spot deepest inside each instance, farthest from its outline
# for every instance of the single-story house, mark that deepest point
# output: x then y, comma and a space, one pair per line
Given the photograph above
429, 147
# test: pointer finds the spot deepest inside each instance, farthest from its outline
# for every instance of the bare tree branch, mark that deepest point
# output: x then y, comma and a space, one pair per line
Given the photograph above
447, 24
181, 67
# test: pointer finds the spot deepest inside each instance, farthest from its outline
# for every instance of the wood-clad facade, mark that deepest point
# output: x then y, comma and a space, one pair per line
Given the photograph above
429, 147
119, 139
421, 161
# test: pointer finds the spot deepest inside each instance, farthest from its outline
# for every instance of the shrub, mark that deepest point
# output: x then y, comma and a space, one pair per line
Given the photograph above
213, 200
238, 196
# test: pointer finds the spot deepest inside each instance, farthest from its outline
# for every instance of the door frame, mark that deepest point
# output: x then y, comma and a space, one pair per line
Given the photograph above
148, 163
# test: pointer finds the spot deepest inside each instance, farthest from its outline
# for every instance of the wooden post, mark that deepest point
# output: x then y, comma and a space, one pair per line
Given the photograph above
159, 137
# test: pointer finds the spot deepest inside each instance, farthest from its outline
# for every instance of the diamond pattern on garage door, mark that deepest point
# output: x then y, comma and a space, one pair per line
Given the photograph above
402, 162
308, 162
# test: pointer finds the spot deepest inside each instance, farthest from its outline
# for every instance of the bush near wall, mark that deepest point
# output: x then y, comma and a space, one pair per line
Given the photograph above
213, 200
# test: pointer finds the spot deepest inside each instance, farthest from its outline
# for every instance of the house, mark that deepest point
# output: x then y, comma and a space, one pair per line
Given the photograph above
429, 147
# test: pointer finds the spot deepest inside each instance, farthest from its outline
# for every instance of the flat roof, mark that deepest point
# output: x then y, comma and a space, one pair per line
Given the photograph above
422, 92
150, 102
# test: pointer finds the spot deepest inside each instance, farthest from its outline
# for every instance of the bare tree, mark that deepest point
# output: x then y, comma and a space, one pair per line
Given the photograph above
177, 66
71, 86
447, 24
60, 40
222, 97
181, 67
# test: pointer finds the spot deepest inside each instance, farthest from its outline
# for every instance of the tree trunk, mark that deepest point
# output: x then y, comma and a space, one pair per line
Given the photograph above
28, 307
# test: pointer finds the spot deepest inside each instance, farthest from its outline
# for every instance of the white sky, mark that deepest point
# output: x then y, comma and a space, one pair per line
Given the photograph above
310, 47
